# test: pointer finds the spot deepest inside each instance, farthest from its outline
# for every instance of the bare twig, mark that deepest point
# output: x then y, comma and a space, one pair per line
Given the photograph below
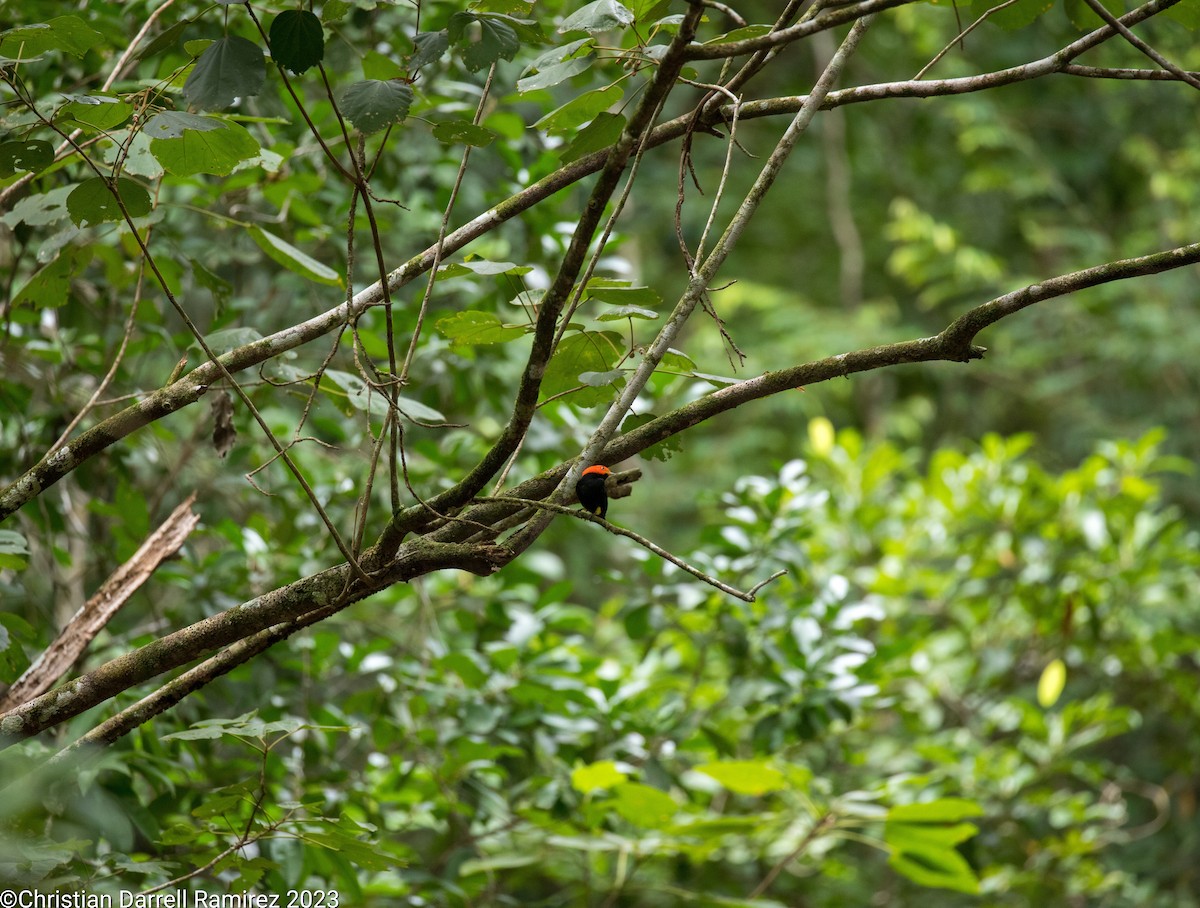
644, 543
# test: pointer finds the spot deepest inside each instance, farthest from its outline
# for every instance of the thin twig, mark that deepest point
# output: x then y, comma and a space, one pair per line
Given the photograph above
642, 541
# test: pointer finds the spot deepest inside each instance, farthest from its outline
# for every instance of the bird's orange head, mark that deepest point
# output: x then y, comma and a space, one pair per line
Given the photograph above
597, 469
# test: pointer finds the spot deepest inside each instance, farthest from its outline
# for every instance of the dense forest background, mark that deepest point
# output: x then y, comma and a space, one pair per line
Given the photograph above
344, 667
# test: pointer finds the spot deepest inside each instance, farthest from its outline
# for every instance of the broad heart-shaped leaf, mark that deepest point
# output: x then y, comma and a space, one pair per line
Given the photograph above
51, 287
216, 151
599, 16
171, 124
587, 351
600, 133
27, 155
96, 112
372, 105
291, 258
470, 328
230, 68
428, 47
92, 201
297, 40
66, 33
497, 39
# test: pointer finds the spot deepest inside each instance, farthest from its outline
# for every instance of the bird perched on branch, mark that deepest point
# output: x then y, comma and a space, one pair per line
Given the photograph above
591, 492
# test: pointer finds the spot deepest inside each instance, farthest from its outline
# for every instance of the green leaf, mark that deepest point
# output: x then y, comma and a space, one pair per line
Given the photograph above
428, 47
217, 151
418, 412
97, 112
580, 110
472, 328
287, 255
600, 379
172, 124
644, 806
497, 39
941, 868
594, 776
480, 266
372, 105
943, 810
1019, 15
599, 134
29, 155
620, 313
626, 296
297, 40
381, 67
599, 16
745, 777
65, 33
554, 73
922, 839
93, 202
50, 287
14, 554
230, 68
587, 351
462, 132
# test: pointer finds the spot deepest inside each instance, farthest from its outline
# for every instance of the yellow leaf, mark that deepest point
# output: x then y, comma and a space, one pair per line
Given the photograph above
821, 436
1051, 683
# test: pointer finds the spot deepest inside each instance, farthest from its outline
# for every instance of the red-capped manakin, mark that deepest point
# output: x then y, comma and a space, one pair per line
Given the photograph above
590, 490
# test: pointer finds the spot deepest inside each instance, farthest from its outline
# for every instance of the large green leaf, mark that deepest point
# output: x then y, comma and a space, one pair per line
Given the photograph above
66, 33
586, 351
51, 286
94, 112
94, 202
602, 132
230, 68
287, 255
28, 155
372, 105
496, 39
598, 16
199, 150
471, 328
297, 40
746, 777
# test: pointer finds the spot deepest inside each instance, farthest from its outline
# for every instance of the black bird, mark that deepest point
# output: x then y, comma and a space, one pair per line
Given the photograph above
590, 490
